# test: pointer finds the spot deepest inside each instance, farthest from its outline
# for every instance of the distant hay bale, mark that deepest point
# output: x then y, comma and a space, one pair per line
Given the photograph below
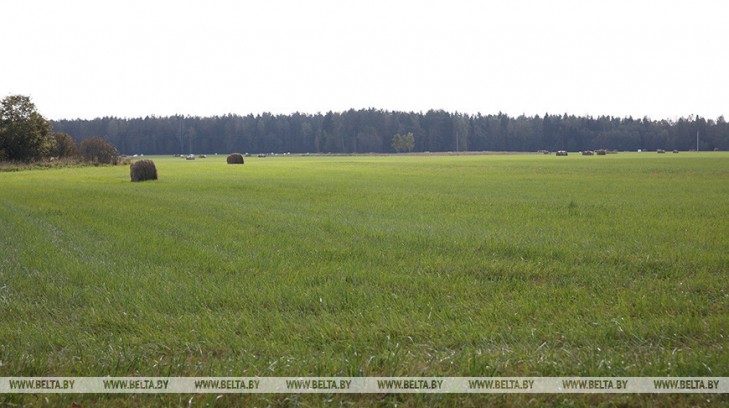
235, 158
143, 170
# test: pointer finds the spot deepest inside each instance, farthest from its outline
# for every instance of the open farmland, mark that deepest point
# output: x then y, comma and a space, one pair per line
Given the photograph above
502, 265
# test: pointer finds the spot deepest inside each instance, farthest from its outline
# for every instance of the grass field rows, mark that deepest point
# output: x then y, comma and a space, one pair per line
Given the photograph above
513, 265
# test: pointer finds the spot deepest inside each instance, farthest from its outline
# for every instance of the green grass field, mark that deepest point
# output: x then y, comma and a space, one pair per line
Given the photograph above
497, 265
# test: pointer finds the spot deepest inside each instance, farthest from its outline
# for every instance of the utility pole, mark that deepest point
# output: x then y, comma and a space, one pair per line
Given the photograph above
179, 135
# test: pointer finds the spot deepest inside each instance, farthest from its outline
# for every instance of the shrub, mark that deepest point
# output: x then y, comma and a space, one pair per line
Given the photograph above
235, 158
143, 170
98, 150
64, 146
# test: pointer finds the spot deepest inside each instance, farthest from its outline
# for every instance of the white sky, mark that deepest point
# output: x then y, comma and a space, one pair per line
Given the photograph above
89, 58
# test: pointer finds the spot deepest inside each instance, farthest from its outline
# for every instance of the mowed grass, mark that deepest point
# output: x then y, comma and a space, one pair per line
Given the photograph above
514, 265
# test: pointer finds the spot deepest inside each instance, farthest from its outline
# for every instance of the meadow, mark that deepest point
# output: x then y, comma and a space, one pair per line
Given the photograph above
487, 265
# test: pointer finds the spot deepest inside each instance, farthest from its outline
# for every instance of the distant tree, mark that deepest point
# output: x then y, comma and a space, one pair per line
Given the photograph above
409, 141
397, 143
403, 143
24, 134
460, 132
98, 150
368, 140
64, 146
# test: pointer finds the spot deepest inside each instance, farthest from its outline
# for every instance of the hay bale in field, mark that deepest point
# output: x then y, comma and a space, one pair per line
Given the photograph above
235, 158
143, 170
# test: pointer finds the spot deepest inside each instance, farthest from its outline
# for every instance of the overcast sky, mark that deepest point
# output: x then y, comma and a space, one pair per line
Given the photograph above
89, 58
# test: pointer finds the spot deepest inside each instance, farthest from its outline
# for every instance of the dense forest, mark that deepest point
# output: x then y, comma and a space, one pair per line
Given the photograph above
371, 130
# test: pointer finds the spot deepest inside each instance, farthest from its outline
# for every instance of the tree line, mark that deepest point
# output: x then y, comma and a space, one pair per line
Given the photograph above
372, 130
26, 136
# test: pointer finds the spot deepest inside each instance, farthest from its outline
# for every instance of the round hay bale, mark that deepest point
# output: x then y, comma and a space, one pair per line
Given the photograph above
235, 158
143, 170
